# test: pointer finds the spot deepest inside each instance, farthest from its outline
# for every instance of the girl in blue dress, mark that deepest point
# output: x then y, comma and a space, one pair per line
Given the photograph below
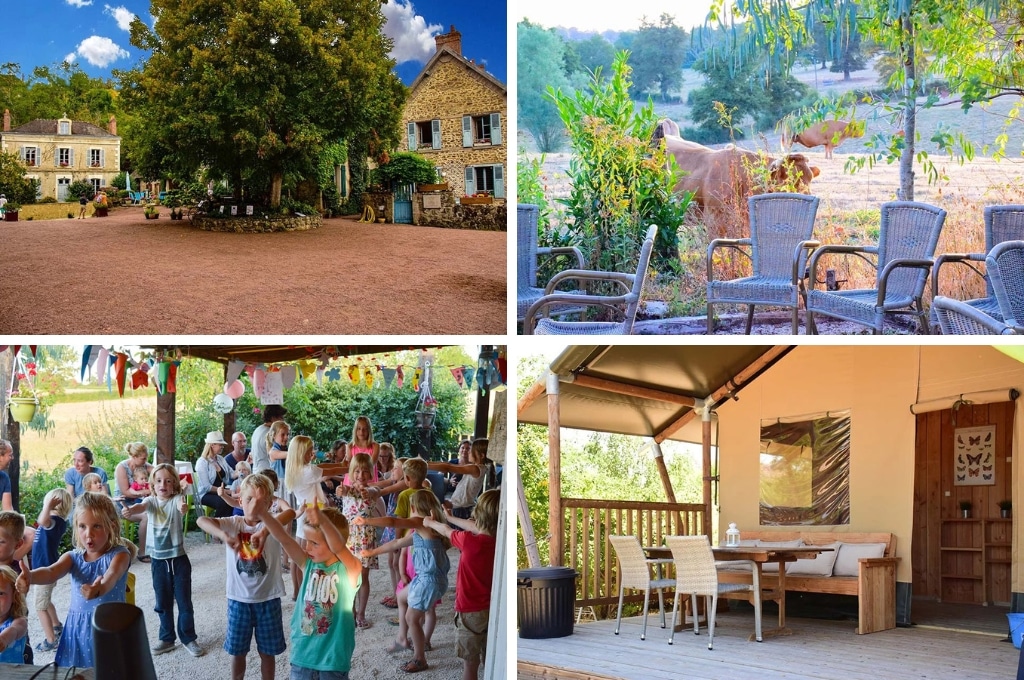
99, 568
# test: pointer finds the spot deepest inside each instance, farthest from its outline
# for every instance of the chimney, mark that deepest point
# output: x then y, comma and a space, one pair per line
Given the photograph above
112, 125
7, 120
451, 41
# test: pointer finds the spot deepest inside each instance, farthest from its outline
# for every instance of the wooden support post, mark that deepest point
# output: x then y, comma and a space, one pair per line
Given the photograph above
666, 481
555, 472
229, 418
165, 428
705, 430
483, 405
526, 524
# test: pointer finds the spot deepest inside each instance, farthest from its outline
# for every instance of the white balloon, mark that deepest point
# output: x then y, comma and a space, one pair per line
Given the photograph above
223, 404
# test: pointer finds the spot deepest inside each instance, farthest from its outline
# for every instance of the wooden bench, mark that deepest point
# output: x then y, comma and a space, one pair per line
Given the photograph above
874, 586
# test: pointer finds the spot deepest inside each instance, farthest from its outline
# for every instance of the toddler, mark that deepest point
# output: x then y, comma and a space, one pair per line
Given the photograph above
52, 522
13, 618
140, 479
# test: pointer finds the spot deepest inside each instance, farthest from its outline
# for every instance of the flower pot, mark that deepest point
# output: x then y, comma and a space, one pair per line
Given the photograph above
966, 513
23, 409
476, 200
11, 216
1004, 513
100, 212
153, 216
433, 187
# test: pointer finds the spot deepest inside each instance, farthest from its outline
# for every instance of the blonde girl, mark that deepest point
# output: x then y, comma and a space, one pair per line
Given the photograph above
171, 568
429, 554
52, 522
13, 618
385, 461
362, 439
94, 483
362, 538
302, 479
136, 462
99, 568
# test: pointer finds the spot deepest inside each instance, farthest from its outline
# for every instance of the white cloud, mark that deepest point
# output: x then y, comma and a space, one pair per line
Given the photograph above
99, 51
413, 37
79, 3
71, 58
122, 15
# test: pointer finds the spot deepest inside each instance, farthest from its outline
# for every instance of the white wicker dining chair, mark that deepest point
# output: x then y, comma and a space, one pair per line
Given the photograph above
635, 572
697, 575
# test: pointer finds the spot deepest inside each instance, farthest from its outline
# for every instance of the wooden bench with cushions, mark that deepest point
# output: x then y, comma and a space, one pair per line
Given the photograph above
865, 568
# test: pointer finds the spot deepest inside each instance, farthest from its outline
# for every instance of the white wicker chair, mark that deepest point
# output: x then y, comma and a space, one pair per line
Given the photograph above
697, 574
635, 572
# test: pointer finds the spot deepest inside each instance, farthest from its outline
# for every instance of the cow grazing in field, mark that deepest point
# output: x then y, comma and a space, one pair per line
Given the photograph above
831, 133
722, 179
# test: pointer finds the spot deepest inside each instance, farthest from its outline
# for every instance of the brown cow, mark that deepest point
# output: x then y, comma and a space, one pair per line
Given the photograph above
720, 178
831, 133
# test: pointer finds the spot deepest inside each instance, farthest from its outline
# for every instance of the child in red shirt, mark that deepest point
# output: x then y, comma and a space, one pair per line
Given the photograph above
473, 580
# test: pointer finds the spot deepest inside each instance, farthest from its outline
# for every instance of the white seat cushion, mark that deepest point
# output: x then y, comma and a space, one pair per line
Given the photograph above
773, 567
819, 566
849, 554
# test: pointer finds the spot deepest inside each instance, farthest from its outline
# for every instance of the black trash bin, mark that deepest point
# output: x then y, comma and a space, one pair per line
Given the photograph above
546, 598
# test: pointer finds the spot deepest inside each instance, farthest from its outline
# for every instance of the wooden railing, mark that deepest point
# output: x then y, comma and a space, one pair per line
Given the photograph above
589, 523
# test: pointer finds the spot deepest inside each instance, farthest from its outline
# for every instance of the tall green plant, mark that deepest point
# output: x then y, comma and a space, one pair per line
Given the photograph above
620, 184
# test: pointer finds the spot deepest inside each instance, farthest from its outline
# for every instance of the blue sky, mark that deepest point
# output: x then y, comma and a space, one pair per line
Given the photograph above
94, 33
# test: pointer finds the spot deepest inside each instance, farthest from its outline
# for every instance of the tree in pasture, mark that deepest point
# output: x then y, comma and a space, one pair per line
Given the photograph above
539, 58
658, 52
595, 52
252, 91
979, 58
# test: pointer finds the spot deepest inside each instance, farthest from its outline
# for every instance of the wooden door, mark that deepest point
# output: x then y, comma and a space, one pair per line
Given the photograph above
957, 559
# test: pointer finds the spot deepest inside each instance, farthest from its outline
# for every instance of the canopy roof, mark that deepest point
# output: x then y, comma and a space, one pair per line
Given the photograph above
270, 354
646, 390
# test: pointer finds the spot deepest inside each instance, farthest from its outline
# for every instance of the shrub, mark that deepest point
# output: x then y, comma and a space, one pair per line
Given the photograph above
78, 189
47, 199
404, 167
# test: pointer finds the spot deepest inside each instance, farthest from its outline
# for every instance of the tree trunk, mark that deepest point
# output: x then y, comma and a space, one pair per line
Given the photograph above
276, 181
908, 44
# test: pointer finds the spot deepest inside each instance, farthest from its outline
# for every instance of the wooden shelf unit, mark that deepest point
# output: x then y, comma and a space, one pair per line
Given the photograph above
976, 557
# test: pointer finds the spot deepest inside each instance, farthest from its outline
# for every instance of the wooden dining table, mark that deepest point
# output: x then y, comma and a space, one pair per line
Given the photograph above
758, 556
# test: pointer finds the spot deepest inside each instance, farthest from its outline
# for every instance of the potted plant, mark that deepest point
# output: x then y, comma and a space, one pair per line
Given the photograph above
151, 211
11, 211
23, 400
965, 509
1004, 508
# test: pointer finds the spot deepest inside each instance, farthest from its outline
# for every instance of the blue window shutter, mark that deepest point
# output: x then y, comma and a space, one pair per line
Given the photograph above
411, 131
495, 128
470, 181
499, 182
467, 131
103, 158
435, 132
71, 157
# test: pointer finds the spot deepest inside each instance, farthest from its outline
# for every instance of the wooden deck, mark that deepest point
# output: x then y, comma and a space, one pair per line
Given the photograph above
818, 649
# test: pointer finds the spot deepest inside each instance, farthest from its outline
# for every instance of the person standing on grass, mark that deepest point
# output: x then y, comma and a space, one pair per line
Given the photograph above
475, 538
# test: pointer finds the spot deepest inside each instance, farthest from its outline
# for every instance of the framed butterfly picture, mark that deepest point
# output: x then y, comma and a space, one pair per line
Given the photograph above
974, 456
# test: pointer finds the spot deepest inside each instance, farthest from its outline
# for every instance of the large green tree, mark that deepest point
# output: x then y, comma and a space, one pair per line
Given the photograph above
657, 56
252, 90
540, 58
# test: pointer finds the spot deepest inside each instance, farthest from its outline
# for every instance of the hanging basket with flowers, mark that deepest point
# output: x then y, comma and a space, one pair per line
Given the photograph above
23, 399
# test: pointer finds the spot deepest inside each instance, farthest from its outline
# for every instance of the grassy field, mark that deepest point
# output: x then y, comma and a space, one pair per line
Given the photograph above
74, 417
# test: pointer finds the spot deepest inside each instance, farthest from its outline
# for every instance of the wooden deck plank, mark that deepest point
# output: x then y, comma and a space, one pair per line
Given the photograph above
817, 650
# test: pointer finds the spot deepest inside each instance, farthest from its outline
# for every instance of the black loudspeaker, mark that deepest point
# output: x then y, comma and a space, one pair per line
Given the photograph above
120, 645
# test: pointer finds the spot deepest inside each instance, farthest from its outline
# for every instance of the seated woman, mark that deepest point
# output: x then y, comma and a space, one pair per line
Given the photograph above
212, 473
81, 462
135, 466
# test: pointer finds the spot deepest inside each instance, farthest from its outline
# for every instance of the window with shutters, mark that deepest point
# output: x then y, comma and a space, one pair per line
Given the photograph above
96, 183
30, 154
95, 158
485, 180
482, 130
64, 127
64, 157
425, 134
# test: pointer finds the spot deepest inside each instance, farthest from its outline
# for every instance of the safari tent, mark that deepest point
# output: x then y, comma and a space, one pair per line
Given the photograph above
914, 413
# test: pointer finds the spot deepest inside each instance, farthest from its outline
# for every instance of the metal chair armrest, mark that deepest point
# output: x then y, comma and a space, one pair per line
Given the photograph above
961, 258
588, 275
734, 243
893, 265
810, 245
839, 250
566, 250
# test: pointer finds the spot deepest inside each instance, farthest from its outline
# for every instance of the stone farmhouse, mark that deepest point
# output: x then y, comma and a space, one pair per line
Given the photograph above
59, 152
454, 116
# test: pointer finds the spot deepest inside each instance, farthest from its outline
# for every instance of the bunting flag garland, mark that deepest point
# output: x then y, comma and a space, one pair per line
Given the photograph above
389, 375
368, 377
400, 375
469, 372
417, 374
353, 373
101, 364
89, 355
140, 377
235, 369
259, 381
288, 374
457, 374
334, 374
120, 369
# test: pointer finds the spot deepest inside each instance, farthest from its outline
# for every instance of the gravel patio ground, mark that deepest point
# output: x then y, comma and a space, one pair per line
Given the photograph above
371, 659
123, 274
